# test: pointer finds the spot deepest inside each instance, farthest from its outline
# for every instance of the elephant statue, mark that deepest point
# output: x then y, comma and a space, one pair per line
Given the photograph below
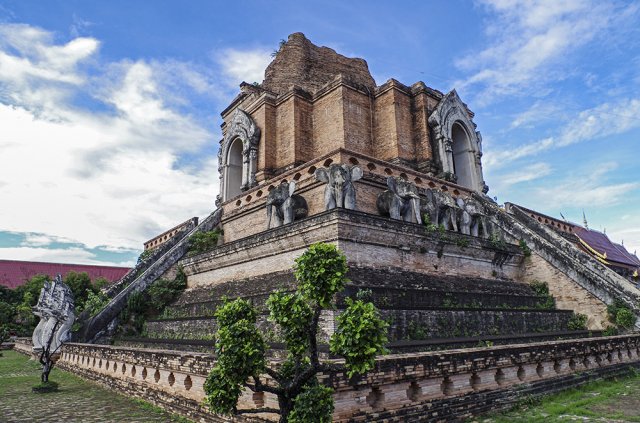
283, 206
464, 218
401, 201
442, 209
477, 225
339, 191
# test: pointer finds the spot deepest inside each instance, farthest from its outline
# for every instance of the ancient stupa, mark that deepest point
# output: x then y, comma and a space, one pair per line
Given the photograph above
392, 174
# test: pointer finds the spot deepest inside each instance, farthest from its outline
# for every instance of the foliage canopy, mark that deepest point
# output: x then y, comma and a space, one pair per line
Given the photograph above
241, 349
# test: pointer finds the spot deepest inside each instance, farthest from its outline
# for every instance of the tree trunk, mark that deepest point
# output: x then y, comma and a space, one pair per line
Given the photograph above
286, 405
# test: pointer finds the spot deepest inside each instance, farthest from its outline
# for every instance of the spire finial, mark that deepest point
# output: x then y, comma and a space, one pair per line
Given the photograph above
584, 220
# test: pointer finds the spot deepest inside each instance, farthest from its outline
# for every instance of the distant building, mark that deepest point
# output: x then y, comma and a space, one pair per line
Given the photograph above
595, 243
14, 273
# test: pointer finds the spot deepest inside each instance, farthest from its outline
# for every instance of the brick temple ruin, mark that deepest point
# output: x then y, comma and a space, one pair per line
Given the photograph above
391, 174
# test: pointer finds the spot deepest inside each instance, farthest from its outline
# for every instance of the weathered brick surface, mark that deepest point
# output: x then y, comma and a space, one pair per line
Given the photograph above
246, 214
366, 240
301, 63
567, 293
433, 386
314, 101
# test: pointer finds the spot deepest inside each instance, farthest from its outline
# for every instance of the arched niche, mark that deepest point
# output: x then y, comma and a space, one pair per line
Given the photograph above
238, 156
457, 144
233, 170
463, 162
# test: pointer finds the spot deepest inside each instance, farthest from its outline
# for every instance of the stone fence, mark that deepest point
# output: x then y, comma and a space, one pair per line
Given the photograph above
432, 386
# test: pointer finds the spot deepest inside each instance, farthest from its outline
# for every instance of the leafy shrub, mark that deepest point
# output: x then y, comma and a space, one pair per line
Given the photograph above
4, 333
578, 321
541, 289
96, 301
620, 314
361, 335
314, 404
321, 273
496, 242
145, 255
203, 241
7, 311
524, 247
610, 331
625, 318
142, 306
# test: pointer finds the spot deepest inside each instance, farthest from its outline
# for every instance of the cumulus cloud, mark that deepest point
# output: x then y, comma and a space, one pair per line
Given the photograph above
244, 65
112, 173
530, 41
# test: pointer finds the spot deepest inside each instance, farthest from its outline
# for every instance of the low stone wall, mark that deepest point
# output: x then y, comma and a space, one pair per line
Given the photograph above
367, 241
433, 386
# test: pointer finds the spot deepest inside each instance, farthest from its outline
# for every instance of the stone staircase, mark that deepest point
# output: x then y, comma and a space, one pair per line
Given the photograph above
425, 312
93, 328
589, 274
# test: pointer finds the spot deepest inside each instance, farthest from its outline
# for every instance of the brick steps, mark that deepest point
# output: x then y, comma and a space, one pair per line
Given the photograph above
405, 324
434, 344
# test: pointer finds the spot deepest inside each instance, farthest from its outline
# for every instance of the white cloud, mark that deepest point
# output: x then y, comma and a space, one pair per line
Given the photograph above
244, 65
530, 41
523, 174
601, 121
113, 174
629, 233
588, 189
540, 111
41, 240
53, 255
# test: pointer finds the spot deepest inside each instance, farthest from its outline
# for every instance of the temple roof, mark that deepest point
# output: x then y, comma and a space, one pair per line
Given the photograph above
600, 244
14, 273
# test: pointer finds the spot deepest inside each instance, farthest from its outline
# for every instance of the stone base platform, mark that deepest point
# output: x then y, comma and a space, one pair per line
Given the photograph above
432, 386
368, 241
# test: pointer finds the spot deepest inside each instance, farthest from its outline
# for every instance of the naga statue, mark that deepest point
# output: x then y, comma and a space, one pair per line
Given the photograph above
56, 310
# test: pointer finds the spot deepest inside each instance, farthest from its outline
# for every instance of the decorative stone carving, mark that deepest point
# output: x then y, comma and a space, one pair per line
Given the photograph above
56, 310
401, 201
242, 127
339, 191
283, 206
442, 209
468, 167
472, 218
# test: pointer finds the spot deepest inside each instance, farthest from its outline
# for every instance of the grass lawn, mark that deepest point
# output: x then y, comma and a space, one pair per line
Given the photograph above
615, 400
76, 401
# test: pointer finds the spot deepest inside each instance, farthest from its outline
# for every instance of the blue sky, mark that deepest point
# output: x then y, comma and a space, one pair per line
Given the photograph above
109, 111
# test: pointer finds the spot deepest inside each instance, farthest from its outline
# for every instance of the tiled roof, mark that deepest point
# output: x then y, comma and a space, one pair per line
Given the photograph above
14, 273
602, 245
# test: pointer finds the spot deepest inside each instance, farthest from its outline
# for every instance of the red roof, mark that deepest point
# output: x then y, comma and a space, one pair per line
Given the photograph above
14, 273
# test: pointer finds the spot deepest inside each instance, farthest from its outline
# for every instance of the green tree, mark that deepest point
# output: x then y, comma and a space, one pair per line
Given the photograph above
7, 312
80, 284
240, 347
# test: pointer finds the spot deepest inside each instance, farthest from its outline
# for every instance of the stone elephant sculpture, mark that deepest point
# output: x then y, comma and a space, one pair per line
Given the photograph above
401, 201
339, 191
441, 209
472, 218
283, 206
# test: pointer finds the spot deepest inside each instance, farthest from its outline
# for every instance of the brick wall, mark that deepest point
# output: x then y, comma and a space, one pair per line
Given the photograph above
402, 387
